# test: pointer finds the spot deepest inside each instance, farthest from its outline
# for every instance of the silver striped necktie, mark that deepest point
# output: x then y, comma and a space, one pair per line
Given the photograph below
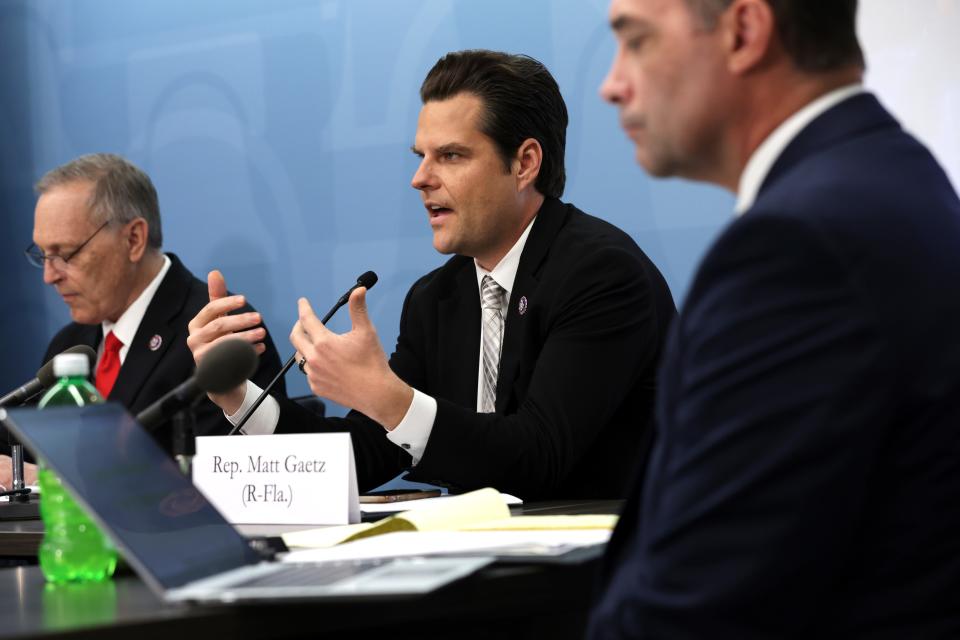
491, 302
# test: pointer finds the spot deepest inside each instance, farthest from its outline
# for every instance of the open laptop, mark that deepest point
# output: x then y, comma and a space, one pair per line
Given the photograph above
175, 540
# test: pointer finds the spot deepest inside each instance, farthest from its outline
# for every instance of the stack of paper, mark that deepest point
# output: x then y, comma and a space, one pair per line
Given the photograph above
444, 514
460, 543
475, 522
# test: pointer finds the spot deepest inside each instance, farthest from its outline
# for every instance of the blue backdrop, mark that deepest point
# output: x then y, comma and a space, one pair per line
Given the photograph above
278, 136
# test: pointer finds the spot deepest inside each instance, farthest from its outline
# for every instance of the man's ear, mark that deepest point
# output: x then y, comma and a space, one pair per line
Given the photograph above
750, 31
527, 163
137, 232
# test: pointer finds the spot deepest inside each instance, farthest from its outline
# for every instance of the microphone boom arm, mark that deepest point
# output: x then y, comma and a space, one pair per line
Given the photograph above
367, 280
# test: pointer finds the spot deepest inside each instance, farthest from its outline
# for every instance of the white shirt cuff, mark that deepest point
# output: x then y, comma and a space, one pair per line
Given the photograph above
265, 418
414, 430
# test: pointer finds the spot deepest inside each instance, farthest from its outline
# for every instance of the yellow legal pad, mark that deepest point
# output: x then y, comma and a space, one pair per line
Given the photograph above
482, 510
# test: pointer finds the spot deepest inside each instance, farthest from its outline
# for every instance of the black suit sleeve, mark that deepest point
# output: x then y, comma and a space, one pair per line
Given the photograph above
599, 336
761, 474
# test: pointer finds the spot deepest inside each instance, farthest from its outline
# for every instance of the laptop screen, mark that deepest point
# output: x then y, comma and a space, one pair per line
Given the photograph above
155, 516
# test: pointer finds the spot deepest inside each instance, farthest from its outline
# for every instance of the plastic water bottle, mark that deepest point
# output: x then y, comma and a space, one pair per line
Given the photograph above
73, 548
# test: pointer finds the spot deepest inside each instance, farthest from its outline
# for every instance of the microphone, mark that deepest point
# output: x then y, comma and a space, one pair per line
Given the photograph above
45, 378
223, 368
366, 280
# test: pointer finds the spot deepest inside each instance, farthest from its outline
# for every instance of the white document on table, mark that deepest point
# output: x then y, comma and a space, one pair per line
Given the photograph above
411, 505
425, 543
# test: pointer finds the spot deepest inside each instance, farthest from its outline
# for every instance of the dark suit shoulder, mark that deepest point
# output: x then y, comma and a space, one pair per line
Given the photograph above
587, 240
890, 228
588, 250
836, 175
586, 230
440, 282
71, 335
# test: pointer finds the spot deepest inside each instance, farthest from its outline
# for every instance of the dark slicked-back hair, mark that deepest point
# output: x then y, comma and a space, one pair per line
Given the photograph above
521, 100
121, 193
818, 35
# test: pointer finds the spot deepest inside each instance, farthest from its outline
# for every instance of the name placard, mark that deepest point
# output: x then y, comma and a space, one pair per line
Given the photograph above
304, 478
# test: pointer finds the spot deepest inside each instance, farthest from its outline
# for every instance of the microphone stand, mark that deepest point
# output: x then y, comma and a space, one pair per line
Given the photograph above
25, 505
21, 505
16, 453
286, 367
16, 462
184, 439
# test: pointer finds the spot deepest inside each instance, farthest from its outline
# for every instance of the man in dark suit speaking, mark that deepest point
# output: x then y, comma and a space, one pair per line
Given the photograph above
97, 237
526, 362
805, 480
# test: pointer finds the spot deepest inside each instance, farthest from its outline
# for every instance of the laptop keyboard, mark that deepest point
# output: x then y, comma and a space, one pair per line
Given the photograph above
309, 575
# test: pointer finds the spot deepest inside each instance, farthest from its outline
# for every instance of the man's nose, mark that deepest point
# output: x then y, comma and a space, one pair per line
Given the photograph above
614, 88
424, 178
50, 274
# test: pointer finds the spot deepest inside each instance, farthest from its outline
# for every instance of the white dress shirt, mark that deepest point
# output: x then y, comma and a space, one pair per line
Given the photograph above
125, 328
264, 420
414, 430
762, 159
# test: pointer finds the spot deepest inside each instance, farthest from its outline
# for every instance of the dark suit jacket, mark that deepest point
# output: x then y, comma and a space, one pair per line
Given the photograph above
146, 375
577, 374
806, 477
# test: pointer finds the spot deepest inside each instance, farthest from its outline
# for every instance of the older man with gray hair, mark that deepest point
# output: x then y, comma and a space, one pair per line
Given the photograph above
97, 237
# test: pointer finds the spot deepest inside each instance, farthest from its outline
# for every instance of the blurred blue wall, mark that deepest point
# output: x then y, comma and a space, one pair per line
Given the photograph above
278, 136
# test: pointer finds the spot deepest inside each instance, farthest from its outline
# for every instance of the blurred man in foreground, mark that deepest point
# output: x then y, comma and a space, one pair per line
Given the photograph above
806, 472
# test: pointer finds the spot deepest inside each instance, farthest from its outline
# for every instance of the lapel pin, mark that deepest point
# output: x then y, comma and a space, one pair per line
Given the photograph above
522, 307
155, 342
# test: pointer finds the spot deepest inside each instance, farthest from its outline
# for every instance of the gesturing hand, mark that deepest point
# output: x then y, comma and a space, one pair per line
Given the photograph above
351, 368
212, 325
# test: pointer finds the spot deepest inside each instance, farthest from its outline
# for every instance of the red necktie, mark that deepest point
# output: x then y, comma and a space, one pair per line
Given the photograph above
109, 365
